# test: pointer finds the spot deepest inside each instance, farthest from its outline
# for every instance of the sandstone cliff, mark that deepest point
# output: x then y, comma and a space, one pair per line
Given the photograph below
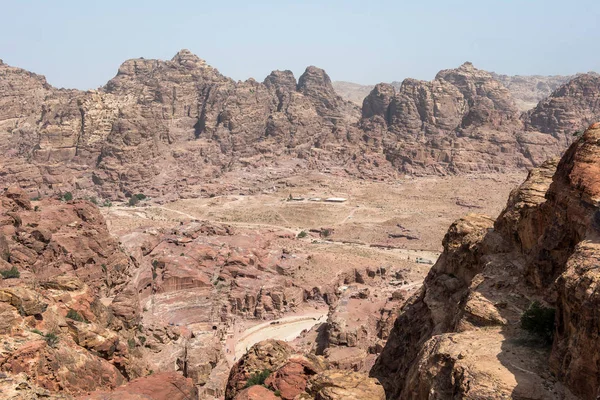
460, 337
174, 128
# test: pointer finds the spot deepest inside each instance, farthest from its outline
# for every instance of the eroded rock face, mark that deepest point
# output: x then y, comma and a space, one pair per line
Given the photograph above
569, 108
59, 338
54, 238
463, 120
267, 355
540, 248
157, 120
170, 128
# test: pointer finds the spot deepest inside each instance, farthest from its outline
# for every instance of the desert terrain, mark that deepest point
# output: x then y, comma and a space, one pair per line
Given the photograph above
326, 248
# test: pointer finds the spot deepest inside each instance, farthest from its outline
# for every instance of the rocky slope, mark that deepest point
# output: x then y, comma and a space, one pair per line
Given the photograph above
156, 120
461, 335
68, 324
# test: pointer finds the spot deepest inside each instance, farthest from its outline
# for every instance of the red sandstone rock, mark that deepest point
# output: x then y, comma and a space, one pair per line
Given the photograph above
160, 386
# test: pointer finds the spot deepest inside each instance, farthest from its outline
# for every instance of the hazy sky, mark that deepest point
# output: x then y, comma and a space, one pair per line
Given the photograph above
81, 44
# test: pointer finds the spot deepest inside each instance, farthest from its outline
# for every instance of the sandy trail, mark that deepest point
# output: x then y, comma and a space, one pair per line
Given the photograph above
286, 329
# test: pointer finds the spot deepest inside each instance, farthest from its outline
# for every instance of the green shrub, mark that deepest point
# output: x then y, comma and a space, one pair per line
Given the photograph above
133, 201
142, 339
539, 321
302, 234
277, 393
106, 204
51, 339
37, 331
10, 273
74, 315
67, 196
325, 232
140, 196
258, 378
94, 200
131, 344
36, 208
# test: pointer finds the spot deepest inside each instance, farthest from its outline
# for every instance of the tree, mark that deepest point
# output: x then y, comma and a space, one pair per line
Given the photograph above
539, 321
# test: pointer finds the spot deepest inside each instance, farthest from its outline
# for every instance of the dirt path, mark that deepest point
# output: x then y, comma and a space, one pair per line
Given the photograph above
286, 329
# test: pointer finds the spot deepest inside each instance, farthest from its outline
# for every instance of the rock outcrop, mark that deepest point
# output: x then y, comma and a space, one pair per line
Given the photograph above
461, 335
60, 269
293, 376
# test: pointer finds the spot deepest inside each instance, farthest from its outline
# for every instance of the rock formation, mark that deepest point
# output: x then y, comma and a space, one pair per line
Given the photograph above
461, 335
58, 263
171, 128
563, 112
293, 376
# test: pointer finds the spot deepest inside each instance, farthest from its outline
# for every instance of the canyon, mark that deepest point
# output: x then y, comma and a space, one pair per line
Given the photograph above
169, 235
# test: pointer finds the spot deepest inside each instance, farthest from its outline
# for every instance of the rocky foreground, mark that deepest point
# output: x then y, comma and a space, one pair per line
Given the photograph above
460, 337
175, 128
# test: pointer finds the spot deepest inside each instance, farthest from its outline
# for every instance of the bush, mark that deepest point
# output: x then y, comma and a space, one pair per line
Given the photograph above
131, 344
278, 393
10, 273
74, 315
539, 321
67, 196
51, 339
302, 234
37, 331
258, 378
133, 201
140, 196
106, 204
94, 200
325, 232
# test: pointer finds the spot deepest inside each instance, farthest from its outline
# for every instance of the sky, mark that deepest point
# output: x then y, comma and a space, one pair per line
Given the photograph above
80, 44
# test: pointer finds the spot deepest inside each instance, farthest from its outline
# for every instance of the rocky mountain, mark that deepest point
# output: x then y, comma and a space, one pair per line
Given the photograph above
563, 112
461, 335
174, 128
529, 90
526, 90
463, 120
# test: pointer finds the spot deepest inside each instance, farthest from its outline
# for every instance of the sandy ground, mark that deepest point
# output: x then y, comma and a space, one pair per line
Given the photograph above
422, 208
